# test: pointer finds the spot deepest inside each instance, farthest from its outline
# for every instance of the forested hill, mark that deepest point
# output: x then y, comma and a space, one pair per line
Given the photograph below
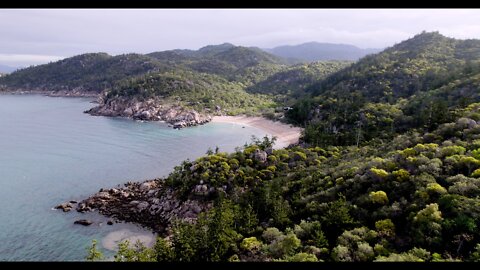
315, 51
99, 71
90, 72
417, 83
217, 78
292, 81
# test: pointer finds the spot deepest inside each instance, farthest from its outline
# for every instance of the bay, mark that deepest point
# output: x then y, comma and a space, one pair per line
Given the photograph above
51, 152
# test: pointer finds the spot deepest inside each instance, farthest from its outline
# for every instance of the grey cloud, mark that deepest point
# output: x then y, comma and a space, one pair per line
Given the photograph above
70, 32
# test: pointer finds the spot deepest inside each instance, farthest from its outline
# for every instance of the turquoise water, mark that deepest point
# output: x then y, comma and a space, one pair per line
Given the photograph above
51, 152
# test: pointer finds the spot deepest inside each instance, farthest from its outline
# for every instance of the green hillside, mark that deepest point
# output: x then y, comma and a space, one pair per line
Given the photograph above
91, 72
294, 80
417, 83
201, 91
211, 77
387, 171
412, 199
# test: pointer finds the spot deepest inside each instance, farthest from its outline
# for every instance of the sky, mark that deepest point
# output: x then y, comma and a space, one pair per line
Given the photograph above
31, 37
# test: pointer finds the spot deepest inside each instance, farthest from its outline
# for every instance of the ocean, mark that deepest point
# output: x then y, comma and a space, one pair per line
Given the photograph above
51, 152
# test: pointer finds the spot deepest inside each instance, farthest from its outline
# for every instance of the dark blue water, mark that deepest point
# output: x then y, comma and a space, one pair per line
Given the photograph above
51, 152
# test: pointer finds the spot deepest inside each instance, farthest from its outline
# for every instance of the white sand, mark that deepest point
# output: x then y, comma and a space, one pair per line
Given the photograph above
112, 239
286, 134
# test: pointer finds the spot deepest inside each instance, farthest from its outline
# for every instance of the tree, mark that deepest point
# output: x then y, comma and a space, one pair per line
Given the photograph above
138, 253
250, 244
302, 257
284, 245
414, 255
221, 233
427, 226
378, 197
163, 250
264, 143
310, 232
246, 220
353, 246
336, 219
385, 227
93, 253
475, 256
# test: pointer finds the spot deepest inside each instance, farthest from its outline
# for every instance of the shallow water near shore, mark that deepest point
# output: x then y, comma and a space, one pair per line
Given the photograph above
51, 152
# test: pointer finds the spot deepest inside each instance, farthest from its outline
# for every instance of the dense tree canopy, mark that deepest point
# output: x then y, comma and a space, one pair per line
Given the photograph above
388, 169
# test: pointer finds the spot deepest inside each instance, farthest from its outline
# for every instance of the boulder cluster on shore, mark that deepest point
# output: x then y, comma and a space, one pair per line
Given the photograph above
150, 110
153, 109
149, 204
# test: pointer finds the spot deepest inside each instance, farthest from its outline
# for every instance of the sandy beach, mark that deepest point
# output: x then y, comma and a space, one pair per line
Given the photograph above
286, 134
112, 240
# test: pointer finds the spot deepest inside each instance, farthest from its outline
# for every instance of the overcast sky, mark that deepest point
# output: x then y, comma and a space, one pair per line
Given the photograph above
39, 36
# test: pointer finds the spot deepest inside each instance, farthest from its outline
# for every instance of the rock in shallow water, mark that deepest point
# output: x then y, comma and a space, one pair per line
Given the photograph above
64, 206
84, 222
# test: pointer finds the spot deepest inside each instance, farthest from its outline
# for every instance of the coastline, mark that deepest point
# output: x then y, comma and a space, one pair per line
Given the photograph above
286, 134
60, 93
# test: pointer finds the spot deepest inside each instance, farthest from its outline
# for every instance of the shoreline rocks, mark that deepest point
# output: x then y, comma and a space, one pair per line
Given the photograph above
149, 204
76, 92
66, 207
154, 109
149, 110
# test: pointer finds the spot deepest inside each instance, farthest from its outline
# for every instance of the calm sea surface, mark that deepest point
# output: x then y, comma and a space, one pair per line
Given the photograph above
51, 152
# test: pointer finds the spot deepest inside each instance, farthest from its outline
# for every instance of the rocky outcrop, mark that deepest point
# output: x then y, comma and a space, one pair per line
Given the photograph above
260, 156
84, 222
154, 109
149, 110
149, 203
66, 207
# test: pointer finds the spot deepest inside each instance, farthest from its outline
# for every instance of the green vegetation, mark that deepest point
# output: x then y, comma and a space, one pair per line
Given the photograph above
416, 84
290, 84
214, 79
411, 199
201, 91
92, 72
389, 169
93, 253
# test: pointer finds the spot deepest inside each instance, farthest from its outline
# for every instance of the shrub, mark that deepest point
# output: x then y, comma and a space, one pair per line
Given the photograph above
401, 175
385, 227
378, 197
302, 257
251, 244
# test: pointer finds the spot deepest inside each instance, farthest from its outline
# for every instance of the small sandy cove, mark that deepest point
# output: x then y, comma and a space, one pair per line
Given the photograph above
286, 134
112, 240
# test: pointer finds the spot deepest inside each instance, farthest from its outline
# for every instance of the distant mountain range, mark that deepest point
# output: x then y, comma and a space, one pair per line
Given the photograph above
315, 51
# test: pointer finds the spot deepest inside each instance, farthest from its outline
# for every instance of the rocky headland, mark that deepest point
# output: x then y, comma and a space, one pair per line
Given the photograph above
150, 204
153, 109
